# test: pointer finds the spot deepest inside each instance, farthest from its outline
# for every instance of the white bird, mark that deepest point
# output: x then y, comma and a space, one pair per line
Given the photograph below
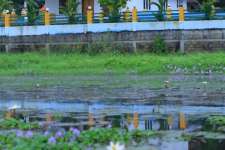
115, 146
205, 82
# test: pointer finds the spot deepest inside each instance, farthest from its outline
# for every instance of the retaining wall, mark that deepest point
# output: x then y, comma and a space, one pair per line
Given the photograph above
184, 36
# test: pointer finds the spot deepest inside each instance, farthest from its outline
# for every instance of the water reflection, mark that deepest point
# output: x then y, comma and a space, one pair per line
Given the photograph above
130, 117
127, 102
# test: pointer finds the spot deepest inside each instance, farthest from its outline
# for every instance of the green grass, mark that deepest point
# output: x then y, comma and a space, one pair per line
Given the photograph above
61, 64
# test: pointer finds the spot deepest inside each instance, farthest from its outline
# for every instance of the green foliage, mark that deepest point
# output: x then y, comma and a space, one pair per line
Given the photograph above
161, 5
138, 135
215, 123
208, 8
113, 7
5, 5
79, 64
70, 10
32, 11
89, 138
103, 136
159, 45
14, 123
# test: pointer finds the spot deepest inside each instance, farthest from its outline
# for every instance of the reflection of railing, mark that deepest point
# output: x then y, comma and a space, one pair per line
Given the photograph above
127, 16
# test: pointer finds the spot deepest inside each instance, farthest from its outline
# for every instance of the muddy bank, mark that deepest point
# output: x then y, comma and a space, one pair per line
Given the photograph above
207, 90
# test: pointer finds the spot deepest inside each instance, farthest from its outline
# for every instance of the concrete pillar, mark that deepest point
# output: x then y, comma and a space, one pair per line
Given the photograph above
134, 46
182, 47
89, 15
7, 48
134, 15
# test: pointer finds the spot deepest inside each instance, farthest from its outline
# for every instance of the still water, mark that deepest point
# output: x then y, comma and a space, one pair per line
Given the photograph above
112, 101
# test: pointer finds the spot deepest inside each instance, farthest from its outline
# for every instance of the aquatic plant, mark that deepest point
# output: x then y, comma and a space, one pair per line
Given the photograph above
138, 135
52, 140
59, 134
215, 123
103, 136
115, 146
19, 133
21, 140
75, 131
29, 134
12, 123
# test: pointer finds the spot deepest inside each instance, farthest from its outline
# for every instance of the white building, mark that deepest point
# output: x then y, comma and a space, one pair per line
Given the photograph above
141, 5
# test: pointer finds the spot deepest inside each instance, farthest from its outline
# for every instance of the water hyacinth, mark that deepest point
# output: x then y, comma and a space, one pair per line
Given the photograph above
75, 131
52, 140
19, 133
46, 133
29, 134
59, 134
72, 139
116, 146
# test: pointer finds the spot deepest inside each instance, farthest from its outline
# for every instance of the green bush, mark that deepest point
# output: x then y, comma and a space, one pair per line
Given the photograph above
159, 45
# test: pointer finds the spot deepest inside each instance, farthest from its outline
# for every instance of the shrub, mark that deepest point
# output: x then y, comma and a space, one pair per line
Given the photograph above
159, 45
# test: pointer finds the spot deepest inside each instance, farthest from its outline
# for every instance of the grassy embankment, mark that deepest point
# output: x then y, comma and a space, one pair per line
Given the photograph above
60, 64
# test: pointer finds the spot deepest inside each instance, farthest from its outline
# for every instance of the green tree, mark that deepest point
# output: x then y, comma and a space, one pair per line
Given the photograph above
32, 11
162, 6
5, 5
208, 8
113, 6
70, 10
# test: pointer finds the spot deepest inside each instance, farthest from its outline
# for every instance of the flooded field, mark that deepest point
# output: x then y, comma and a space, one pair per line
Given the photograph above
128, 102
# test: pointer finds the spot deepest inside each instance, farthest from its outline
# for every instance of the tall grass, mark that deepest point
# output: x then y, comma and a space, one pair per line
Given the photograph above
55, 64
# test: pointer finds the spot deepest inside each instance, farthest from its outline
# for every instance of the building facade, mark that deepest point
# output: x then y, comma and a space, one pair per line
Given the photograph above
141, 5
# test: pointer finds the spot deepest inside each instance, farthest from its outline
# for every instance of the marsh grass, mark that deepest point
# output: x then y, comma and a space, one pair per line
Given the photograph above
74, 63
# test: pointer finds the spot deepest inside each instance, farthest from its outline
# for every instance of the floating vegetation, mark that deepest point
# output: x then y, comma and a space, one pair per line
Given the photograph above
215, 123
69, 140
12, 123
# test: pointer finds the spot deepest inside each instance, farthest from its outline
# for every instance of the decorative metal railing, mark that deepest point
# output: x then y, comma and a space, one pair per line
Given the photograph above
133, 16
